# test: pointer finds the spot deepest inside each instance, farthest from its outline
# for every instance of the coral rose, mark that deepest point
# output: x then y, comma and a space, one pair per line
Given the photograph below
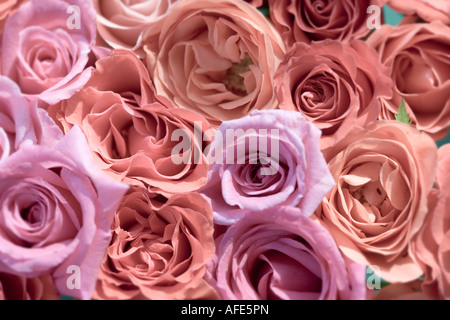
418, 56
334, 85
267, 159
383, 174
159, 249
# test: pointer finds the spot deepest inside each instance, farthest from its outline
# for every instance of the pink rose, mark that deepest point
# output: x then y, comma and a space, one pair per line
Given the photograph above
428, 10
256, 3
335, 86
281, 254
264, 160
383, 174
159, 249
122, 23
418, 56
432, 245
130, 130
47, 59
217, 58
63, 218
7, 8
21, 122
308, 20
19, 288
401, 291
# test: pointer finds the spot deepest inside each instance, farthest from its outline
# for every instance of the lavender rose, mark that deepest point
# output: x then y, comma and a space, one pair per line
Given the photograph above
281, 254
56, 208
21, 121
267, 159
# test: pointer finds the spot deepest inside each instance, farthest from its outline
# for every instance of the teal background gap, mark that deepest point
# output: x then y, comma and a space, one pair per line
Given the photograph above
392, 17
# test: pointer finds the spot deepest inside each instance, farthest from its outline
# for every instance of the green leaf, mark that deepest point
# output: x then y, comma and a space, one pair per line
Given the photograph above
403, 115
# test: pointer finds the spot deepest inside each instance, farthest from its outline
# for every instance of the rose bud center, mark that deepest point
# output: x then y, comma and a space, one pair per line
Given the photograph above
233, 80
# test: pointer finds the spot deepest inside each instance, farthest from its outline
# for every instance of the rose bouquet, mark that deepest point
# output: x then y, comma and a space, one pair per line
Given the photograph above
224, 150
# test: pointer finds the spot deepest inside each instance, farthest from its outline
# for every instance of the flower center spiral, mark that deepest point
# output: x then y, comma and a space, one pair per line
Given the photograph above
233, 80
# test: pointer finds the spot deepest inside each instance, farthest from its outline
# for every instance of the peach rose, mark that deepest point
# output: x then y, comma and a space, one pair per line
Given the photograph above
433, 242
265, 160
217, 58
159, 249
307, 20
428, 10
130, 129
334, 85
383, 174
418, 56
21, 122
122, 23
19, 288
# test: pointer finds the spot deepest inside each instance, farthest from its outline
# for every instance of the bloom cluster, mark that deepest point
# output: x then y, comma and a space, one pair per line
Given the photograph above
224, 149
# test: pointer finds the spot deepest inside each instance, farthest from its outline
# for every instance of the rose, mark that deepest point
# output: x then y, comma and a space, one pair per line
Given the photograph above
429, 10
281, 254
49, 61
122, 23
129, 129
217, 58
334, 85
20, 288
432, 243
264, 160
62, 219
21, 122
7, 8
383, 174
159, 249
307, 20
418, 68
